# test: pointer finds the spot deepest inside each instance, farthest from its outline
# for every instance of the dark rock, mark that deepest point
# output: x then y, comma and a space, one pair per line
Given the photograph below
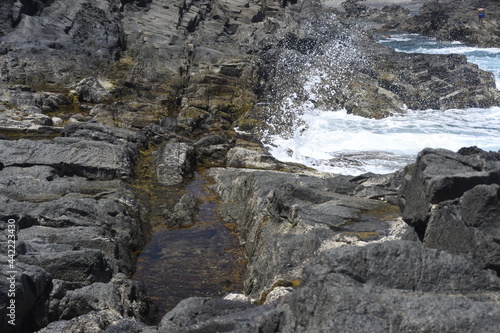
184, 212
72, 156
297, 216
80, 266
123, 296
452, 21
468, 226
108, 321
58, 36
440, 175
30, 294
98, 132
198, 309
394, 285
452, 201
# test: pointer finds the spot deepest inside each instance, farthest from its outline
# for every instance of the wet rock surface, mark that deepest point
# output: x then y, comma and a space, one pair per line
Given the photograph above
105, 103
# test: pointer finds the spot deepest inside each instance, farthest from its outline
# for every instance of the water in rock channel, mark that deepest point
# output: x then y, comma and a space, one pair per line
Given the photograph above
346, 144
203, 260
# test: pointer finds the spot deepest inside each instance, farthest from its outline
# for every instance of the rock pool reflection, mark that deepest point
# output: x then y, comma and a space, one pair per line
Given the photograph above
202, 260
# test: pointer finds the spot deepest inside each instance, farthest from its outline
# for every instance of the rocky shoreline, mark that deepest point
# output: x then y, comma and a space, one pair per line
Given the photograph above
105, 103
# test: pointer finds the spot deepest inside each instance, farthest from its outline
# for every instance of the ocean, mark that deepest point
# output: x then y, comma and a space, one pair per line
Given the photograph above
343, 143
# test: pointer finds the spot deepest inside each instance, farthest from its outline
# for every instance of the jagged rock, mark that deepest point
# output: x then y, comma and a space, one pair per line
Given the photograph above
295, 215
184, 212
91, 90
98, 132
198, 310
174, 162
123, 296
374, 288
452, 21
29, 286
452, 201
469, 225
439, 175
56, 44
98, 321
92, 159
81, 230
393, 285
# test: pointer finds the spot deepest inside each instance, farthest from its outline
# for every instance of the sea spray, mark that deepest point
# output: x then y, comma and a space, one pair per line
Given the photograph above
335, 141
310, 71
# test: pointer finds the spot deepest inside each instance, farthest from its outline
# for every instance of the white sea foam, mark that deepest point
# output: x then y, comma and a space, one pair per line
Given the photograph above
342, 143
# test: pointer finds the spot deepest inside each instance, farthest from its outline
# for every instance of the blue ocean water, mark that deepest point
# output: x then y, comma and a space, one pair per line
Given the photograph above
341, 143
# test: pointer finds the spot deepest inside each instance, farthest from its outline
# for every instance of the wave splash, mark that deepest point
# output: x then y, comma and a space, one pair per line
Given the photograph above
337, 142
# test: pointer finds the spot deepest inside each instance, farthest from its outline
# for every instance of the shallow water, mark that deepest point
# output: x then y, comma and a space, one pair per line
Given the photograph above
203, 260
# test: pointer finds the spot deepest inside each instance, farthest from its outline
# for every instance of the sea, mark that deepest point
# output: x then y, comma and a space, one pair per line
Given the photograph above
336, 142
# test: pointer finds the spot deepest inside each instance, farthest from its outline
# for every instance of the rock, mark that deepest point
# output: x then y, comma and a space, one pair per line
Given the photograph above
277, 293
453, 21
468, 226
381, 287
79, 266
452, 201
83, 230
439, 175
174, 162
297, 216
29, 289
376, 288
196, 310
122, 296
90, 90
97, 321
92, 159
184, 212
56, 44
98, 132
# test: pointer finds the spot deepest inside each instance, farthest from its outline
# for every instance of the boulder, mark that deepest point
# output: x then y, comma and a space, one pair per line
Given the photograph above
91, 90
123, 296
393, 285
98, 321
452, 201
174, 162
72, 156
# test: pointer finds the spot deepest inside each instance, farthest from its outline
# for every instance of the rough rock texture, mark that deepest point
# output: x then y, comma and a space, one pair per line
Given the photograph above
166, 83
452, 20
452, 201
295, 215
77, 225
175, 161
375, 288
391, 286
56, 43
32, 286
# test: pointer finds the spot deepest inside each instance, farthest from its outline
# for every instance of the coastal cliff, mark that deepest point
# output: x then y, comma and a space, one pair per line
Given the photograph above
104, 104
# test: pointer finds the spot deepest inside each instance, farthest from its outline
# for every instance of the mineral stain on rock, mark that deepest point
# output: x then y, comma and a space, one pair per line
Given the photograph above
204, 259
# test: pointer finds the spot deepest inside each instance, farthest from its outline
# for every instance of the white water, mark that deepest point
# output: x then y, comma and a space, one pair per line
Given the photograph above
346, 144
